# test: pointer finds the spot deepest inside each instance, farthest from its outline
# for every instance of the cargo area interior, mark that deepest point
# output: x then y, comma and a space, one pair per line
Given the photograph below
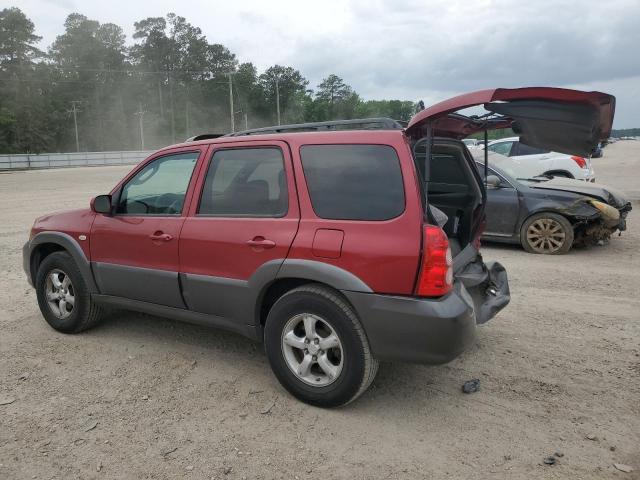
451, 184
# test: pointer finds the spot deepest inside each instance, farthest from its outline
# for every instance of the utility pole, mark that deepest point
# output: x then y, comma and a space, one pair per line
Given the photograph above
278, 100
75, 111
140, 113
246, 122
233, 125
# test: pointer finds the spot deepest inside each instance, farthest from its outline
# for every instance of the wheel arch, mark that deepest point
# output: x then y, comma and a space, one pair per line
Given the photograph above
45, 243
293, 273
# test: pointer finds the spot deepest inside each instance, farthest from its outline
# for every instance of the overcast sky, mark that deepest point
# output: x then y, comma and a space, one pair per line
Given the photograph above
427, 49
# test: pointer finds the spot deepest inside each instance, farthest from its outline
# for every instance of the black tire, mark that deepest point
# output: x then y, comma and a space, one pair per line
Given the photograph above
558, 224
84, 313
358, 369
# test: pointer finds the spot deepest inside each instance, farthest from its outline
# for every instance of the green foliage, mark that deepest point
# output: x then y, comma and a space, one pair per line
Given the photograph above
171, 76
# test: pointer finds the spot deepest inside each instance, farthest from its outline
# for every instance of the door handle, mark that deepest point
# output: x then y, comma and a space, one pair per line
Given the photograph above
261, 242
160, 237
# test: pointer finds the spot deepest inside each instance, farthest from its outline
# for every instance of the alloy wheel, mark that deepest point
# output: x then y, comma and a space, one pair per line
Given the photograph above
546, 235
60, 293
312, 349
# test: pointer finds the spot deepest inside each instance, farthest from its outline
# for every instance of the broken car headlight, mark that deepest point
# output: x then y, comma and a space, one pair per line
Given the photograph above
607, 211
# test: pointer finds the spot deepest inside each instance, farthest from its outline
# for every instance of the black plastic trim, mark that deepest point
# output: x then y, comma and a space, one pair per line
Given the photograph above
180, 314
71, 246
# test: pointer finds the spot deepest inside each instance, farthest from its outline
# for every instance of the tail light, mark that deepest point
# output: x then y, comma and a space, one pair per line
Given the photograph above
582, 163
436, 271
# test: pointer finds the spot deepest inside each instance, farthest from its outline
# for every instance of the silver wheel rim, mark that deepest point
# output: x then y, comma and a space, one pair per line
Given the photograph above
546, 235
312, 349
60, 293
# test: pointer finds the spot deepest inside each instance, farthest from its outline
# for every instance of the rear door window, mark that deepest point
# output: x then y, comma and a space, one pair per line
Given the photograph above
248, 182
353, 182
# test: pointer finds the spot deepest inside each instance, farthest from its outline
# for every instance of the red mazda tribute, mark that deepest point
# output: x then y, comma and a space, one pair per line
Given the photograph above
337, 244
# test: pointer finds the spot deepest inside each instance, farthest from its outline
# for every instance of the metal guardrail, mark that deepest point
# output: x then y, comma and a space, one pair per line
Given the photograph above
80, 159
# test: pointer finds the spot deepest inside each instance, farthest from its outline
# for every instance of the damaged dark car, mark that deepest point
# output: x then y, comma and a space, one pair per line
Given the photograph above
548, 215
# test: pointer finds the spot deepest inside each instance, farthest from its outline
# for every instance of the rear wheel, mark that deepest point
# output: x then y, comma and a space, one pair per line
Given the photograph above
547, 233
317, 347
63, 296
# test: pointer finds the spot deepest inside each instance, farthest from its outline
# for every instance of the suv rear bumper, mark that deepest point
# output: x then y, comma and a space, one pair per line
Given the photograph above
427, 330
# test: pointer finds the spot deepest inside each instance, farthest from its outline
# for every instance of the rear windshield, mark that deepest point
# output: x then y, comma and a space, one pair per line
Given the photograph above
353, 182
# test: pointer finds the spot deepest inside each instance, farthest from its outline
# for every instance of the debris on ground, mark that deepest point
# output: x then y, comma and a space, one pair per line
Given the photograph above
612, 448
189, 468
471, 386
559, 454
592, 437
89, 425
23, 377
99, 467
268, 408
549, 460
166, 452
623, 468
145, 397
7, 400
227, 470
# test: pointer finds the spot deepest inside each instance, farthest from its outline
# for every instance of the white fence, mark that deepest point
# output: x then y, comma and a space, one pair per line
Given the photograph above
80, 159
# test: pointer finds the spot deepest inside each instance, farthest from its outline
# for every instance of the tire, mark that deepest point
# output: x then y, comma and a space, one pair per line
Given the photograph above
351, 367
72, 317
547, 233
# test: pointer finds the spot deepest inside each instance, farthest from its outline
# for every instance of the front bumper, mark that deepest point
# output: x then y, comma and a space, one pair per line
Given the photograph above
433, 331
26, 261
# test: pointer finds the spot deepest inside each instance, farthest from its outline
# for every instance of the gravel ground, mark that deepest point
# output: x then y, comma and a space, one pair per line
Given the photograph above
143, 397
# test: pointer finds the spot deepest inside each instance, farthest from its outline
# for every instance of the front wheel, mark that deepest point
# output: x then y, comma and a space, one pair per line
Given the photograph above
63, 296
317, 347
547, 233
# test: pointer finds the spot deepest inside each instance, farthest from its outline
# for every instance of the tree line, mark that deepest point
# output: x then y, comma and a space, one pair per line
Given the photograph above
91, 91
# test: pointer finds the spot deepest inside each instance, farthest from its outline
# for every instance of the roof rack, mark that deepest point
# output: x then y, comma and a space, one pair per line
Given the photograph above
355, 124
204, 136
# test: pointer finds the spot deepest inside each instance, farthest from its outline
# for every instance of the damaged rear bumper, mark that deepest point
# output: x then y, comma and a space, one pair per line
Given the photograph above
433, 330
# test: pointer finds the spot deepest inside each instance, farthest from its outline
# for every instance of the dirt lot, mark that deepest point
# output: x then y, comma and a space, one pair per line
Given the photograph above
142, 397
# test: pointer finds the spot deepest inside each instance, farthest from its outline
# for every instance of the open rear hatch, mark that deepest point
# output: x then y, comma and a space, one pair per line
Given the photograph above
562, 120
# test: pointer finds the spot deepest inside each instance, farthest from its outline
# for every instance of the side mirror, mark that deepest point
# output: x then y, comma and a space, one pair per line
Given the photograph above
493, 181
101, 204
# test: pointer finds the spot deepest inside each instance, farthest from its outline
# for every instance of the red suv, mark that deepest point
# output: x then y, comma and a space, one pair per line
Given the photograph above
337, 244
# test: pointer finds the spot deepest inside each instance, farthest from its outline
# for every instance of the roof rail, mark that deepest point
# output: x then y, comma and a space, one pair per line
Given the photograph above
204, 136
355, 124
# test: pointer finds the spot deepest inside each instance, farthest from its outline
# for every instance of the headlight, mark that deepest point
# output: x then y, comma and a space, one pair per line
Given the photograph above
608, 212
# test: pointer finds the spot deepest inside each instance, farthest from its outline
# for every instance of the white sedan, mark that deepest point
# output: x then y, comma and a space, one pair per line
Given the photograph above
535, 161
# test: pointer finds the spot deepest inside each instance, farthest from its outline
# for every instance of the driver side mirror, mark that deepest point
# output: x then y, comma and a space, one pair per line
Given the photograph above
101, 204
494, 181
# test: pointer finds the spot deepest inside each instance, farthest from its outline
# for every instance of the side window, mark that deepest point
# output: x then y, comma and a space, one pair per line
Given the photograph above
503, 148
523, 149
248, 182
160, 187
353, 182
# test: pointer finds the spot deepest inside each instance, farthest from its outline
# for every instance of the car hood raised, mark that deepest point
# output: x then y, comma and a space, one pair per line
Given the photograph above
601, 192
557, 119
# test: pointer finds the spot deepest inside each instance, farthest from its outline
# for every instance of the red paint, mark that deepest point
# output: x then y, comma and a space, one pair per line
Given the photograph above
220, 246
327, 243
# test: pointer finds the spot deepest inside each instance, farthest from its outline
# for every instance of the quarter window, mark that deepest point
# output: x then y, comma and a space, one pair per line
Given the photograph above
353, 182
160, 187
245, 182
